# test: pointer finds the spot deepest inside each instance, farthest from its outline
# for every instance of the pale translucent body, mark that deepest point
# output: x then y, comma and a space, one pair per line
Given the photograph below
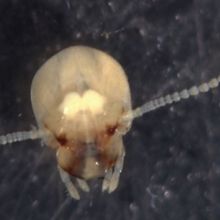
81, 101
77, 96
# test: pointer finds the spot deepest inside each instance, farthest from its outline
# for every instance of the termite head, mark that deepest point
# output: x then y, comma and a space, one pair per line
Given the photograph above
79, 97
86, 131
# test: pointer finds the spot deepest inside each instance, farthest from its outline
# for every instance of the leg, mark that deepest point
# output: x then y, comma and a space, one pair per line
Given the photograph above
106, 180
68, 183
111, 179
83, 185
116, 173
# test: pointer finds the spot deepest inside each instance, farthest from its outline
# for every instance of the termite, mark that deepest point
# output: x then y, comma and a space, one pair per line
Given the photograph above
82, 104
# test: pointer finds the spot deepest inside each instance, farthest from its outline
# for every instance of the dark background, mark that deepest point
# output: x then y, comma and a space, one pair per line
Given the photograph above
172, 166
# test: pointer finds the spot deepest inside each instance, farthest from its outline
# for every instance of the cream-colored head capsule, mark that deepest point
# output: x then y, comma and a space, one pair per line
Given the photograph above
81, 101
79, 97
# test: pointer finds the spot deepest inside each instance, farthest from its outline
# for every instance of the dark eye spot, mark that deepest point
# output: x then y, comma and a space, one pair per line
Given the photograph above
62, 140
110, 130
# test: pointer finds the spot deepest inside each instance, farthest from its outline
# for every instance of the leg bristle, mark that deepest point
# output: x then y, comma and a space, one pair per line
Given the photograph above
65, 177
83, 185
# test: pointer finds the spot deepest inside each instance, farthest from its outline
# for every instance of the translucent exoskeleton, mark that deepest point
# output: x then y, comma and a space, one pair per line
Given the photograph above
81, 101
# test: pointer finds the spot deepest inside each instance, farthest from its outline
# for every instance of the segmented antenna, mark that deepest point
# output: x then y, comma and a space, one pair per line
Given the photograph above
21, 136
138, 112
174, 97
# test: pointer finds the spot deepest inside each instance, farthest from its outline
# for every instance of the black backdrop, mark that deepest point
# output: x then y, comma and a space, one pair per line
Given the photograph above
172, 166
